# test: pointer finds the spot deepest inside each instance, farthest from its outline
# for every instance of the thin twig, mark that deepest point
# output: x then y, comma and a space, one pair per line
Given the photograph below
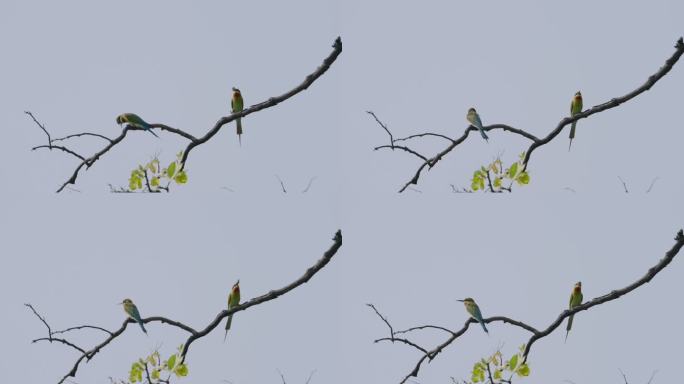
624, 185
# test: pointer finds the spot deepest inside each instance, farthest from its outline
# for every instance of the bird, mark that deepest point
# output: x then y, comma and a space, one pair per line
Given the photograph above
136, 121
233, 300
474, 311
474, 120
575, 300
237, 104
132, 311
575, 108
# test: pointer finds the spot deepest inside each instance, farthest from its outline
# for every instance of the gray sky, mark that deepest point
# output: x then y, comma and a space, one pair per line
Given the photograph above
419, 66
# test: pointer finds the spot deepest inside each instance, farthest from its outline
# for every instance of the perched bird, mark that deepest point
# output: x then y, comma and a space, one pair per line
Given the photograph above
136, 121
474, 311
575, 300
237, 105
474, 120
233, 300
575, 108
132, 311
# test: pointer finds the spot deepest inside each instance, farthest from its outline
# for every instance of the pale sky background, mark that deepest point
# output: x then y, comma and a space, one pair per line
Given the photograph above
419, 66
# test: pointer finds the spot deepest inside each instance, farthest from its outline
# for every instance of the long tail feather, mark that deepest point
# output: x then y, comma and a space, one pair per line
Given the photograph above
567, 329
572, 134
228, 322
483, 327
152, 132
142, 326
484, 135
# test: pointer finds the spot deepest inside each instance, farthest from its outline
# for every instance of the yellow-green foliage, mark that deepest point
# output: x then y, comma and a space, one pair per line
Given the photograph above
494, 176
159, 371
154, 177
498, 368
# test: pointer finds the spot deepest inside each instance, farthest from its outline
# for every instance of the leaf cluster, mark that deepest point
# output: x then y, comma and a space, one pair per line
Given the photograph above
494, 176
151, 177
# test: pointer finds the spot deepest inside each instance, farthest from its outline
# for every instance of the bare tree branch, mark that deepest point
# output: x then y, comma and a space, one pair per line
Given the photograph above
535, 141
430, 354
624, 184
87, 162
311, 180
87, 355
652, 184
282, 185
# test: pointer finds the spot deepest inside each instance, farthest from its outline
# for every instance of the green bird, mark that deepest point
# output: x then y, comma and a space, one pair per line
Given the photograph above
237, 104
575, 300
474, 120
474, 311
233, 300
132, 311
575, 108
136, 121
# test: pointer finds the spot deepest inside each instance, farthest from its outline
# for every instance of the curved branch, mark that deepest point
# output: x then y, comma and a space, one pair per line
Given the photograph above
194, 334
322, 262
65, 149
81, 327
194, 141
652, 272
669, 63
83, 134
536, 142
273, 101
536, 334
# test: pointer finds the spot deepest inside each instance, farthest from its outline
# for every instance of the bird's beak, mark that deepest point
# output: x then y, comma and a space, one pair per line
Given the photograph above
460, 300
237, 282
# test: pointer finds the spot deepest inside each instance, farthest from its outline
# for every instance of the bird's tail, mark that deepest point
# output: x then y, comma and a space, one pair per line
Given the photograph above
484, 135
143, 327
483, 327
238, 124
567, 329
228, 322
572, 134
152, 132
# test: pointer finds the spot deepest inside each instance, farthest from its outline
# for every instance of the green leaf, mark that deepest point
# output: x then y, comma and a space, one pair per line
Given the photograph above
523, 370
478, 174
523, 178
133, 183
171, 170
181, 370
171, 362
482, 185
155, 374
512, 171
475, 185
155, 181
513, 362
139, 183
497, 182
181, 177
475, 378
498, 374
